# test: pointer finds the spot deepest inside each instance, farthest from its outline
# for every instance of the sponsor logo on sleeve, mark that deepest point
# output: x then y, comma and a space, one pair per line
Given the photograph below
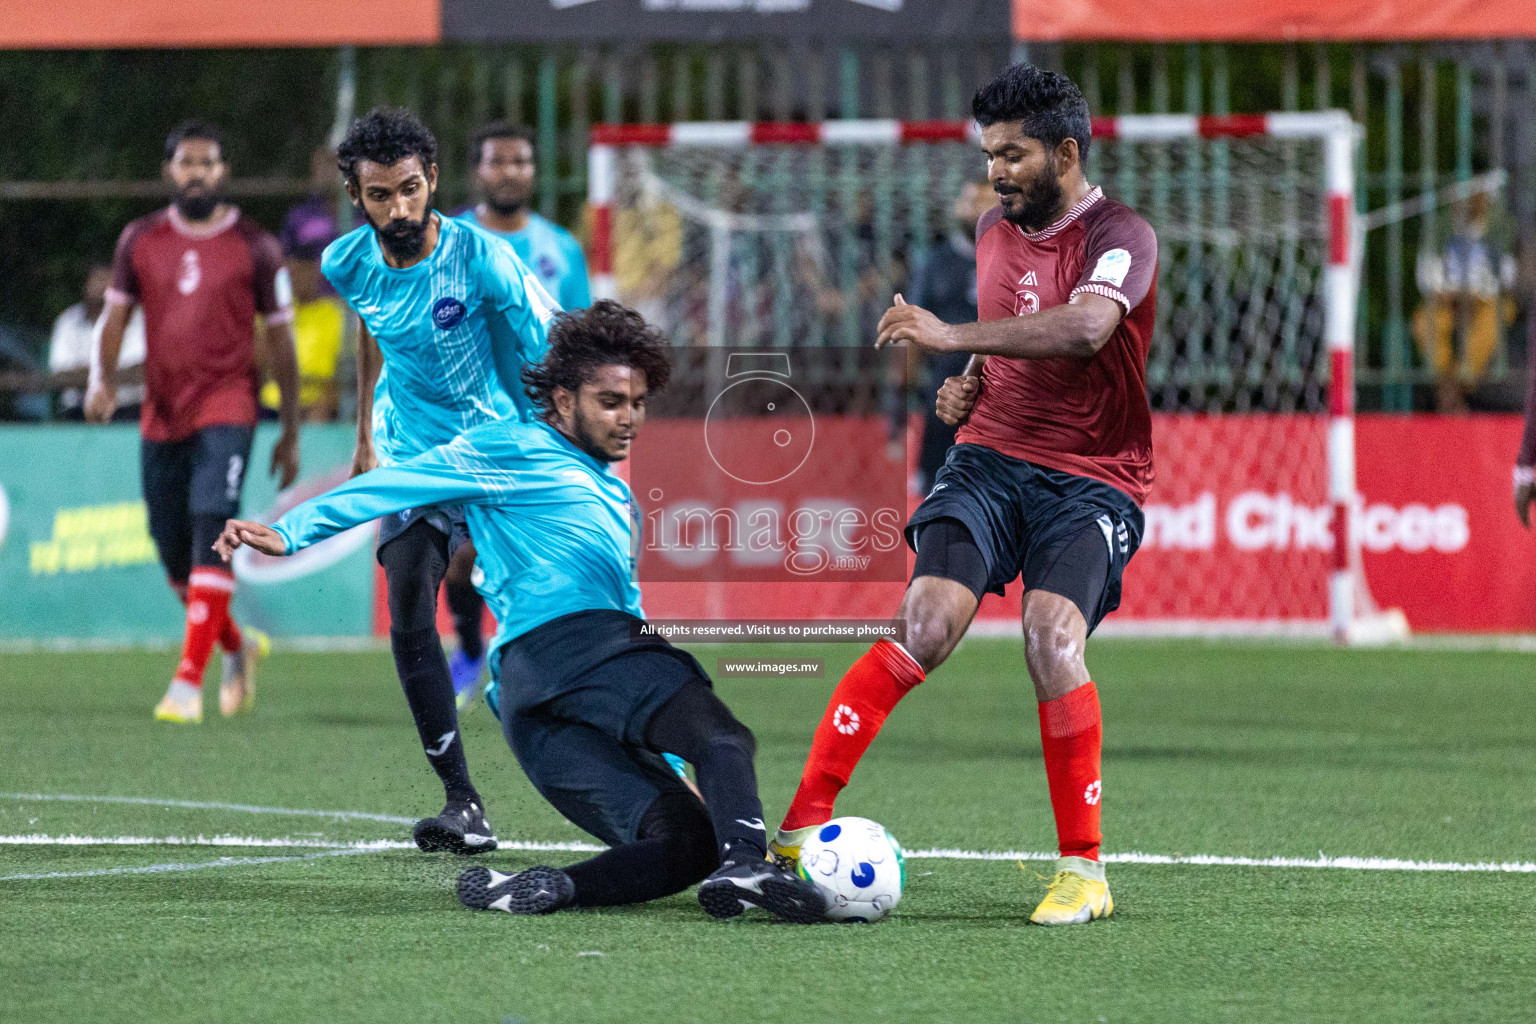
447, 313
1112, 267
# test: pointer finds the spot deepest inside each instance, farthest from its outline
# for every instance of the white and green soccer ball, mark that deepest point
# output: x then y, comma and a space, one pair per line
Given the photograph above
858, 866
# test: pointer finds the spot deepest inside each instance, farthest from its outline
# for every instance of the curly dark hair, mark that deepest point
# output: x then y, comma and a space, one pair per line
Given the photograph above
604, 335
1049, 103
196, 128
385, 135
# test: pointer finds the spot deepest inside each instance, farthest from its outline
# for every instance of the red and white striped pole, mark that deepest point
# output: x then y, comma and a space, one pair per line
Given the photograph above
1340, 336
602, 179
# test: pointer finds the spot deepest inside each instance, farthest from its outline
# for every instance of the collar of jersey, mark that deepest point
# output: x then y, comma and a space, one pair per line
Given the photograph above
474, 216
1093, 196
430, 261
183, 227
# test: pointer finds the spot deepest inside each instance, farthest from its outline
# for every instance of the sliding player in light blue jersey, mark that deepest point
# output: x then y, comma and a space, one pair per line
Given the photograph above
450, 317
503, 170
588, 698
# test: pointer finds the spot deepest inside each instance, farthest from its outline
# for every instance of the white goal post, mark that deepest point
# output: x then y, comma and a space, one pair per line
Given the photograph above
749, 243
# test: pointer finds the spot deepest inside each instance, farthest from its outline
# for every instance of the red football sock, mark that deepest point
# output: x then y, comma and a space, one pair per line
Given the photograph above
1072, 733
208, 593
866, 694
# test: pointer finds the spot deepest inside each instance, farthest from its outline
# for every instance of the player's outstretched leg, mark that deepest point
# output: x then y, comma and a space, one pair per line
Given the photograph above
698, 727
414, 563
1071, 734
936, 610
673, 849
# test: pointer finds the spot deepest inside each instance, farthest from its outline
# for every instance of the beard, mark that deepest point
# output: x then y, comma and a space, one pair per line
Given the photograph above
196, 205
582, 437
1042, 200
505, 204
403, 239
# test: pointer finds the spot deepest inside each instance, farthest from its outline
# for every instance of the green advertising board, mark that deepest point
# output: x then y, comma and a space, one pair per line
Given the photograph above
77, 562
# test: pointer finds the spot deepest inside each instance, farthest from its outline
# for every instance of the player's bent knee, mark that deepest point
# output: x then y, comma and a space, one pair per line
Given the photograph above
937, 612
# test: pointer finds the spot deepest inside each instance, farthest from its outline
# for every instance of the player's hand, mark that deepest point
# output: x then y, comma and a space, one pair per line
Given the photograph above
1524, 494
914, 325
100, 402
363, 459
240, 531
285, 459
957, 398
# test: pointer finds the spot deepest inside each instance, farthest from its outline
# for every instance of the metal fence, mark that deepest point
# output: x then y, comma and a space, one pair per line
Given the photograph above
1436, 116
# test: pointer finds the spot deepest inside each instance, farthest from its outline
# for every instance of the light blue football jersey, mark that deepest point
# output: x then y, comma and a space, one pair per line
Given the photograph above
455, 330
552, 253
553, 527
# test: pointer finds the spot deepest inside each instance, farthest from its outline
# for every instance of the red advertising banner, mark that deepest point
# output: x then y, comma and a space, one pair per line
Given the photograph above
1238, 530
1239, 533
1270, 20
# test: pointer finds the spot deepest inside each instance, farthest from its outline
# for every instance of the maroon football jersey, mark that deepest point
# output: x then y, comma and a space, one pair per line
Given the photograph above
1088, 416
201, 289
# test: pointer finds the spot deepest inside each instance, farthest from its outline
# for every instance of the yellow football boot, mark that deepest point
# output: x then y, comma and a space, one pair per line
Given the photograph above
182, 703
784, 847
237, 690
1078, 894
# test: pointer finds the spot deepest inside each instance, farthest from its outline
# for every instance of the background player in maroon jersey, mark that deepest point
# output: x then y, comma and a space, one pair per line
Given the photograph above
203, 272
1046, 477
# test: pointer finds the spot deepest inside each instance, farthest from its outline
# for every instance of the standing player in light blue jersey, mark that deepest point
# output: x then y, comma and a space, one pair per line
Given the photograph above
450, 316
504, 169
503, 158
588, 696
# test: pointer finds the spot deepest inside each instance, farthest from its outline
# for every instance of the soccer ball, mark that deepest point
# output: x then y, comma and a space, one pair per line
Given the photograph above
857, 865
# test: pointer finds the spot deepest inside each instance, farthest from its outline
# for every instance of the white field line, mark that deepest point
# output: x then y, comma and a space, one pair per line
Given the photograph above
284, 843
209, 805
1135, 857
156, 869
1215, 860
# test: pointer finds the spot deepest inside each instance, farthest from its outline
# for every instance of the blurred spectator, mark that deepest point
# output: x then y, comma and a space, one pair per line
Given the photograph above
1466, 289
319, 317
313, 224
73, 344
944, 283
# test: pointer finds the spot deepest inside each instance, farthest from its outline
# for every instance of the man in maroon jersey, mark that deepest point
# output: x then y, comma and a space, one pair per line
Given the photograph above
1046, 475
203, 273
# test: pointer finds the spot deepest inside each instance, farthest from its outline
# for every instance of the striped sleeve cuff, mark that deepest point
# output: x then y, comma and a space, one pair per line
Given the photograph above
1105, 290
281, 315
118, 297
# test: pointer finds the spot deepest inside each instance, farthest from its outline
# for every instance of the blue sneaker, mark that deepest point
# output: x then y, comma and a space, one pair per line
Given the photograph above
466, 677
492, 701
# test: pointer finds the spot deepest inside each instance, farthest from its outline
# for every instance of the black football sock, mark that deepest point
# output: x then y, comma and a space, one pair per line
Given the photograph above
698, 727
467, 606
429, 691
675, 848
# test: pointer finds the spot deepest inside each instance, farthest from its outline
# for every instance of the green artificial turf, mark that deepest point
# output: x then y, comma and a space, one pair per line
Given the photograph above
1225, 749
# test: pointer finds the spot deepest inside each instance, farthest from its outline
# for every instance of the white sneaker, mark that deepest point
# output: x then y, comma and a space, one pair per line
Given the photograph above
237, 690
183, 703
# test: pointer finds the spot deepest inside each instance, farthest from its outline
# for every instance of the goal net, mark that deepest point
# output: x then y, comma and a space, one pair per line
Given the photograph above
796, 235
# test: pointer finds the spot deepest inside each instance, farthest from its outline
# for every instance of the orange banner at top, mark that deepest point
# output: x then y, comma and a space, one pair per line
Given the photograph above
1271, 20
79, 24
